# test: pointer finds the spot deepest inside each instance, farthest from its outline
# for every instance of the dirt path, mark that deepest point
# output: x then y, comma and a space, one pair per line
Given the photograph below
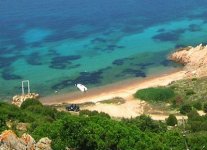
130, 109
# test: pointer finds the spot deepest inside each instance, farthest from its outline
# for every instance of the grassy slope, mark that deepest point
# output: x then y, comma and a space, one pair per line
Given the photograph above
191, 90
186, 92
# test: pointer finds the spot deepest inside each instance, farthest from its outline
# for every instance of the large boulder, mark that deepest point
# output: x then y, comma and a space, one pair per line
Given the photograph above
43, 144
28, 140
10, 141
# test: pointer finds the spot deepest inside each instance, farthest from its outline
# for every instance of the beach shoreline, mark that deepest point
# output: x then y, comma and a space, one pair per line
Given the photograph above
124, 89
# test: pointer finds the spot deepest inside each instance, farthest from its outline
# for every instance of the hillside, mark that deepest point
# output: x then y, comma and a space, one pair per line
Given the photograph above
191, 90
93, 130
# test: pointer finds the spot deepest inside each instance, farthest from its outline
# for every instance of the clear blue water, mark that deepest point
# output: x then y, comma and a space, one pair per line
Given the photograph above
56, 44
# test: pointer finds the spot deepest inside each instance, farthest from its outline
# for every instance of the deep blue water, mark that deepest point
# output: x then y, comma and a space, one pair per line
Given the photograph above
56, 44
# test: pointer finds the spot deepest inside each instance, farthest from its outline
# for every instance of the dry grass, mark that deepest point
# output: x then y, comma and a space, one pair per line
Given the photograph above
115, 100
87, 104
191, 90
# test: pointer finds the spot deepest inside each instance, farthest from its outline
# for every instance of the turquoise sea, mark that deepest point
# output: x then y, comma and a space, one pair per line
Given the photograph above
57, 43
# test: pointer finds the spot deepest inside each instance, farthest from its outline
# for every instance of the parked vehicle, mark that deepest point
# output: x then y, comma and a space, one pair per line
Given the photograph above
73, 107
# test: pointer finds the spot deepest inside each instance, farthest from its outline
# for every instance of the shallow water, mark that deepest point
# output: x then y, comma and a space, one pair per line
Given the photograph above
56, 44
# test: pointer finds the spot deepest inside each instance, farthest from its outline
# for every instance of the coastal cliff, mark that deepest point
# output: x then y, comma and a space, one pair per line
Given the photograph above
194, 60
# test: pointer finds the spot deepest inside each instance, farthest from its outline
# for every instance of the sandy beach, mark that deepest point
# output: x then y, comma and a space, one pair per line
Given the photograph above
131, 108
123, 89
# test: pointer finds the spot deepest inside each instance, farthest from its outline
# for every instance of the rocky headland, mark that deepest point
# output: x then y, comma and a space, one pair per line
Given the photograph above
194, 60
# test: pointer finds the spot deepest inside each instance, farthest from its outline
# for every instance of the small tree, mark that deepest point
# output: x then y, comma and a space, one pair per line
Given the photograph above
3, 125
185, 109
193, 115
189, 92
205, 107
171, 120
30, 102
178, 100
197, 105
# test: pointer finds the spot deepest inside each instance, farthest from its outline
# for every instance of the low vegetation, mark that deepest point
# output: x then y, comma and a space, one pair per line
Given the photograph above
115, 100
171, 120
85, 104
183, 95
155, 94
205, 107
185, 109
97, 131
30, 103
192, 92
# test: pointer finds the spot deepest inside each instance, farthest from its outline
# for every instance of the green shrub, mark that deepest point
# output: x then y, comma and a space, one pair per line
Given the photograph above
12, 112
193, 115
205, 107
42, 110
197, 105
93, 113
155, 94
185, 109
197, 141
194, 79
173, 87
146, 123
3, 125
197, 123
96, 131
171, 120
30, 102
189, 92
178, 100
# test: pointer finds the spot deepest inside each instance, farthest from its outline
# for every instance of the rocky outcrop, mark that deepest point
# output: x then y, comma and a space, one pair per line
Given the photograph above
193, 58
22, 126
10, 141
43, 144
19, 99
